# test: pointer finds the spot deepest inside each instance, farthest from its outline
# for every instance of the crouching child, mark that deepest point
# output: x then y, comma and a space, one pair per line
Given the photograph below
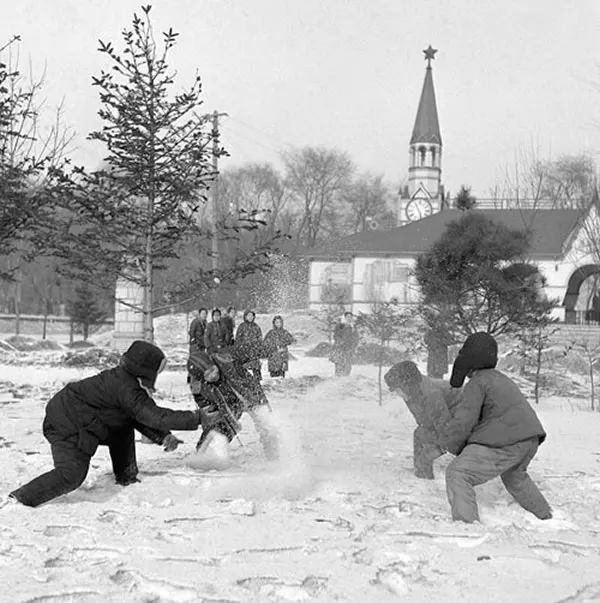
105, 409
224, 390
429, 401
494, 432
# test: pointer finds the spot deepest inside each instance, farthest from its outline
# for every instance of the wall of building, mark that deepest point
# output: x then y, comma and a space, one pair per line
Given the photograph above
324, 273
129, 323
376, 279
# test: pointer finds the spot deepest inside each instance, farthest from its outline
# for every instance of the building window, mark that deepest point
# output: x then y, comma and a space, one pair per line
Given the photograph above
399, 273
433, 157
423, 154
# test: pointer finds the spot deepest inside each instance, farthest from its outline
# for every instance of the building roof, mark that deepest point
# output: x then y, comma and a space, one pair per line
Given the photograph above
427, 127
552, 232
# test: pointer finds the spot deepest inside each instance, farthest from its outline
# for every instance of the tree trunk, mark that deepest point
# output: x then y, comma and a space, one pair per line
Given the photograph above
592, 382
148, 326
71, 332
18, 286
538, 369
86, 331
45, 321
379, 371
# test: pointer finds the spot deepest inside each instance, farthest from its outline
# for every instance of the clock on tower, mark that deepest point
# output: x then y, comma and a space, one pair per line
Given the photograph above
417, 209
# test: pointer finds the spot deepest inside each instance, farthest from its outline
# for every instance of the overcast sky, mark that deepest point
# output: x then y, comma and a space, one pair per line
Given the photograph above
510, 75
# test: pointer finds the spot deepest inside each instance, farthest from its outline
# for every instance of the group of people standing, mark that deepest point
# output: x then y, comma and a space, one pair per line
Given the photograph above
220, 333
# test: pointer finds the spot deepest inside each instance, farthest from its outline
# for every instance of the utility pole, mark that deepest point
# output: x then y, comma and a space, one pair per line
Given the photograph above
215, 201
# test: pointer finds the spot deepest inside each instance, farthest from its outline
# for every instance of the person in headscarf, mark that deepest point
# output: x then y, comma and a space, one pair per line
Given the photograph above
493, 431
249, 338
276, 342
197, 330
215, 336
345, 341
105, 409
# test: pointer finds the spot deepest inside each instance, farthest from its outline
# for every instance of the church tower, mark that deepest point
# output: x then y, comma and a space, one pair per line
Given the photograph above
425, 193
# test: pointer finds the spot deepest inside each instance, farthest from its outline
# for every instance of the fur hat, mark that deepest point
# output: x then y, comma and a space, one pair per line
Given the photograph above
402, 372
248, 312
480, 351
278, 317
144, 361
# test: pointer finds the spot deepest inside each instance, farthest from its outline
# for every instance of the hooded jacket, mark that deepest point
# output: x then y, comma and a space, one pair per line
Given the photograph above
248, 341
94, 409
276, 345
492, 410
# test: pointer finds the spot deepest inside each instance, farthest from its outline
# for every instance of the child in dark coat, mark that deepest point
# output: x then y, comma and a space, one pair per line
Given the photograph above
277, 341
494, 432
105, 410
249, 338
216, 335
224, 389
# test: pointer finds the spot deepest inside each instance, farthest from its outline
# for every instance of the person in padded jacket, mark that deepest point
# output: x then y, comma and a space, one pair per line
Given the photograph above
104, 410
493, 431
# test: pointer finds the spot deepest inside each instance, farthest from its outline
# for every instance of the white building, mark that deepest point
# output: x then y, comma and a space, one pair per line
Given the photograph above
376, 265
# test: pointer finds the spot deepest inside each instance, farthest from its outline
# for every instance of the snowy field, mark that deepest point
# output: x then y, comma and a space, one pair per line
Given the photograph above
341, 517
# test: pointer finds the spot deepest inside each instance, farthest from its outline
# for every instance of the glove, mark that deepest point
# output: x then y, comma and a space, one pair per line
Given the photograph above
208, 417
170, 442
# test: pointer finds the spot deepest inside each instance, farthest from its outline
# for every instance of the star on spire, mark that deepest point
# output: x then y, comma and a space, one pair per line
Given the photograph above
429, 55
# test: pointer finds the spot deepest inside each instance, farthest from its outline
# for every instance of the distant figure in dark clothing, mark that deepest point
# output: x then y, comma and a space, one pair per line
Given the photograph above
249, 339
104, 410
215, 336
437, 354
229, 324
197, 330
276, 342
345, 340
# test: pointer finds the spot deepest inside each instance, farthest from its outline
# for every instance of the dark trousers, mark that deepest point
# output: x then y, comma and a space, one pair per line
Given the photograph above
71, 467
478, 464
425, 451
343, 365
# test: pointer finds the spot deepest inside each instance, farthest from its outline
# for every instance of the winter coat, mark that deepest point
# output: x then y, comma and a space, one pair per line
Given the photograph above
233, 392
197, 330
215, 337
430, 403
249, 339
345, 340
492, 412
276, 342
229, 325
95, 408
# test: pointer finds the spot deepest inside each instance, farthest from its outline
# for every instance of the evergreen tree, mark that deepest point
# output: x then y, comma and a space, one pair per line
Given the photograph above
85, 309
132, 217
385, 322
475, 278
465, 200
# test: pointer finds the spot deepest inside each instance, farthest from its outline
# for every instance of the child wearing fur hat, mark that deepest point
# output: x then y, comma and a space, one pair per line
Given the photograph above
494, 432
429, 401
105, 409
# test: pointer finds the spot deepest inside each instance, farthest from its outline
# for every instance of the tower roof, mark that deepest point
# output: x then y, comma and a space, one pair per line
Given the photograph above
427, 127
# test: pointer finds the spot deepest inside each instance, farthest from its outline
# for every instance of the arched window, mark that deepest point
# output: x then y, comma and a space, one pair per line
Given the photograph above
423, 155
433, 157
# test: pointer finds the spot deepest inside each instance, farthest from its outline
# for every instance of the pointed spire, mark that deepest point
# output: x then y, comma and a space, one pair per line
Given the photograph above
427, 127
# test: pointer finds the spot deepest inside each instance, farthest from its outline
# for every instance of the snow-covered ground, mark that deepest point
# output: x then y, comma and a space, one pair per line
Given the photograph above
341, 517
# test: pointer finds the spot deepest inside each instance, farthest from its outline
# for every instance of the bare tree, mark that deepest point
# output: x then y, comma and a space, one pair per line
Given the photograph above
317, 178
367, 200
31, 156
